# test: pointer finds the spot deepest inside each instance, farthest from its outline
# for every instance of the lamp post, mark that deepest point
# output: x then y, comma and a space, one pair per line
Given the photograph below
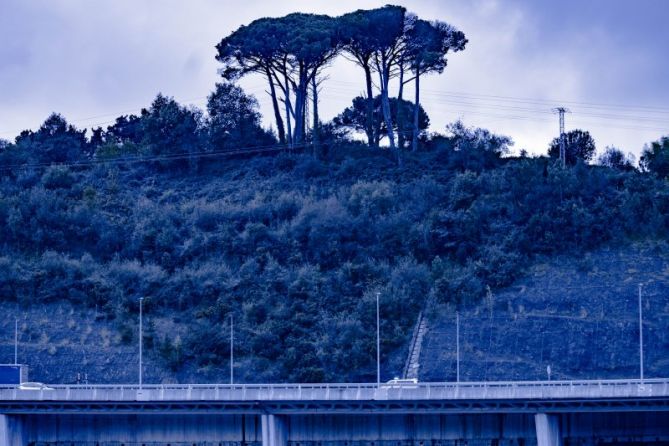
16, 341
640, 337
457, 346
378, 341
141, 299
232, 353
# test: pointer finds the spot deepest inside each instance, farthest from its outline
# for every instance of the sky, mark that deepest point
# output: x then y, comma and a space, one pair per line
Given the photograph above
605, 60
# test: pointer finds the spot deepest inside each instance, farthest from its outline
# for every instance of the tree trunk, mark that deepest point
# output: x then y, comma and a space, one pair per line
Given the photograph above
275, 105
416, 112
399, 115
317, 124
300, 102
288, 110
385, 106
371, 139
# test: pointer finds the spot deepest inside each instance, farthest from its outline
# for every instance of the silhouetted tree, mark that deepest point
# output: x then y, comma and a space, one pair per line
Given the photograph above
361, 34
579, 145
475, 149
615, 159
126, 129
655, 158
170, 131
56, 141
291, 51
234, 120
97, 138
426, 49
388, 55
309, 45
355, 117
254, 49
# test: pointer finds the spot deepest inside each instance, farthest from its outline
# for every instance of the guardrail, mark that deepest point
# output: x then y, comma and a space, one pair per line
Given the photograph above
522, 390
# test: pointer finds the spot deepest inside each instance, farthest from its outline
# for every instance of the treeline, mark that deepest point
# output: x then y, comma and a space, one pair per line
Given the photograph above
173, 135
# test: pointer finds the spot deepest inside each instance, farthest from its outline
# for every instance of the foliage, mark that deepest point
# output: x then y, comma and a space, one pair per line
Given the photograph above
170, 131
296, 248
354, 118
616, 159
56, 141
655, 158
233, 120
579, 145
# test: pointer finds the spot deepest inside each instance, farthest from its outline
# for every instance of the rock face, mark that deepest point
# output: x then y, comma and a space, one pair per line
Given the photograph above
580, 317
62, 343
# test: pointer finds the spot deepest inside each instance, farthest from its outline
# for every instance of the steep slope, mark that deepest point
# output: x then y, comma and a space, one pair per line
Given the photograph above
577, 315
295, 249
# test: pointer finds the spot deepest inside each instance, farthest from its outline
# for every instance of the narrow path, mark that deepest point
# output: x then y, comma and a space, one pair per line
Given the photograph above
412, 365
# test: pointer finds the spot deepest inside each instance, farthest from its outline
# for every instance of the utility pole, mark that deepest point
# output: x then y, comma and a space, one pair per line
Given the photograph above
640, 336
378, 341
141, 299
16, 341
457, 346
232, 353
561, 111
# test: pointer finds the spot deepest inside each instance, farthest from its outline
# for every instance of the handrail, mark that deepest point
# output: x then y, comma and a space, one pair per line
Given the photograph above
306, 386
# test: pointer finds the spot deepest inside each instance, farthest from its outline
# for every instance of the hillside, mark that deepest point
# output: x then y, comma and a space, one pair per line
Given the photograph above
295, 248
578, 315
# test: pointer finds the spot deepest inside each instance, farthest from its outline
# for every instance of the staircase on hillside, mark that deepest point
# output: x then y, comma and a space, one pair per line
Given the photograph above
412, 364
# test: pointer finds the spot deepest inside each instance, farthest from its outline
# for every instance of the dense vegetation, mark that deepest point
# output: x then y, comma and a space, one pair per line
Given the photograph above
295, 233
296, 248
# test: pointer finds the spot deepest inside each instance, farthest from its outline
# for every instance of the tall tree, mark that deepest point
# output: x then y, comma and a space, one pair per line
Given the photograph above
387, 57
579, 145
360, 35
290, 51
310, 43
427, 45
254, 49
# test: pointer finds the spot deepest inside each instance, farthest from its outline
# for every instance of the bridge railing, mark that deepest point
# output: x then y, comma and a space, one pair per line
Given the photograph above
345, 392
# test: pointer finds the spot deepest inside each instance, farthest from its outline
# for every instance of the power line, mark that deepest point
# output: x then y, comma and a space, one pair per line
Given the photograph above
657, 109
453, 97
159, 158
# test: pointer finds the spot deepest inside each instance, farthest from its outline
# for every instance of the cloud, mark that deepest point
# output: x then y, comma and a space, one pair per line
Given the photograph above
92, 61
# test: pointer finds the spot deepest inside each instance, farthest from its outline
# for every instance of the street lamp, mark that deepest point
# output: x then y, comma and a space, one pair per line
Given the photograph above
232, 353
378, 341
16, 341
457, 346
640, 337
141, 299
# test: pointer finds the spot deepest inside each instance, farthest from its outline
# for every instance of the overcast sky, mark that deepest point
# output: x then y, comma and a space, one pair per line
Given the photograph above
606, 60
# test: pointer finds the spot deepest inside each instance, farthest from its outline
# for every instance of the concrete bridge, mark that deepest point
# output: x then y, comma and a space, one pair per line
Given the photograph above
551, 413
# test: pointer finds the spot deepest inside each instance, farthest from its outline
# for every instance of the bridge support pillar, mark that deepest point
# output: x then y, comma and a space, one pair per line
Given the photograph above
548, 430
274, 430
10, 431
